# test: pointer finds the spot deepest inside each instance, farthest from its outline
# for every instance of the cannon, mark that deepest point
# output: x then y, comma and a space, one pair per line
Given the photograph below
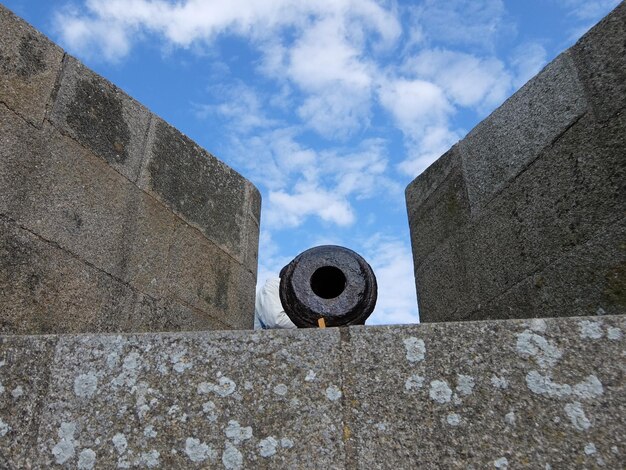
329, 282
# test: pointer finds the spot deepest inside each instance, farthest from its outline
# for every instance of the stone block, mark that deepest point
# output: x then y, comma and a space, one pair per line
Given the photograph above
57, 189
251, 261
241, 314
499, 394
589, 280
253, 227
502, 145
565, 197
24, 378
213, 400
148, 234
45, 289
437, 204
166, 314
444, 289
30, 64
101, 117
600, 56
198, 187
62, 192
573, 191
203, 276
254, 201
419, 190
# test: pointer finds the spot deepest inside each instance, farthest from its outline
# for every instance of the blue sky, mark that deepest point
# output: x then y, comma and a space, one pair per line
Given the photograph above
330, 107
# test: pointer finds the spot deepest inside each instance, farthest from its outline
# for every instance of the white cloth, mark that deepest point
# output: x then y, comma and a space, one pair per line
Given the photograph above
268, 310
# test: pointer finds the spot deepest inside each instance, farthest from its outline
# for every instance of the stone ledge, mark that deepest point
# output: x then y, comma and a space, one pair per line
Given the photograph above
539, 393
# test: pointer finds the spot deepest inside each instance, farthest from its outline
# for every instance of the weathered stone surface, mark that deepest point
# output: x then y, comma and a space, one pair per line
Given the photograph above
101, 117
205, 277
535, 393
545, 174
252, 246
222, 400
253, 224
572, 191
502, 145
438, 205
30, 64
24, 377
105, 247
57, 189
600, 56
167, 314
254, 201
529, 393
445, 291
572, 285
419, 190
240, 313
149, 229
45, 289
198, 187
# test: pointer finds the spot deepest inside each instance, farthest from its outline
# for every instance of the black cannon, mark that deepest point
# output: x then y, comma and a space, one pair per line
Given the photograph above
329, 282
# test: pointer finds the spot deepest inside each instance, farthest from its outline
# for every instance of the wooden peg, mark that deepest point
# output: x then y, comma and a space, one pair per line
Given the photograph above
321, 323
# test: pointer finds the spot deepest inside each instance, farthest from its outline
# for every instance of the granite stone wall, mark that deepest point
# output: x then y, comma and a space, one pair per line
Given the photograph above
525, 216
542, 393
111, 219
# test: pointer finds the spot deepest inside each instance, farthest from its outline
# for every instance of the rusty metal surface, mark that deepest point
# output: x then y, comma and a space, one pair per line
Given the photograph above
330, 282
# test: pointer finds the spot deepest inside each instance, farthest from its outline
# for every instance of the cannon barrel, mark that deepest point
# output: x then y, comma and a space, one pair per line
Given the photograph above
330, 282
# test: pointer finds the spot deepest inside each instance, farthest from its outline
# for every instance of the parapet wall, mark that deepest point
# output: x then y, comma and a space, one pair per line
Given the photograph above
525, 217
501, 394
111, 219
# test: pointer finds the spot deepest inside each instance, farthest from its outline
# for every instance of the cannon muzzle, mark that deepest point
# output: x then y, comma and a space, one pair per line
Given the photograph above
330, 282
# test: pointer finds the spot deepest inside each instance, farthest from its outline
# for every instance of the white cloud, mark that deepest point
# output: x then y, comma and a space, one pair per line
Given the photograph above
301, 182
240, 105
431, 145
92, 38
462, 22
291, 210
323, 56
527, 60
414, 104
467, 80
321, 47
421, 109
361, 172
336, 112
326, 182
392, 262
272, 158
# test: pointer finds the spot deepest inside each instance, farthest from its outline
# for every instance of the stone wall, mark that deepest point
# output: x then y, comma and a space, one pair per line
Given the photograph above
110, 219
525, 217
497, 394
